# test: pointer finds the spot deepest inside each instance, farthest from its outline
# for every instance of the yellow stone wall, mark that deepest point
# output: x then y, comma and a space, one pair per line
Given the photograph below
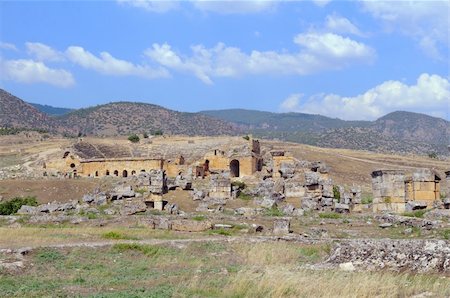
247, 165
277, 161
91, 167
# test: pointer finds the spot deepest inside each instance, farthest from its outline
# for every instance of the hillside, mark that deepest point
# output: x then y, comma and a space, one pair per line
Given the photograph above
256, 120
52, 111
15, 113
401, 132
123, 118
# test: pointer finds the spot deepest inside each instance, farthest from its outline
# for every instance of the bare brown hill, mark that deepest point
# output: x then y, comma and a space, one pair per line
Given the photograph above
15, 113
121, 118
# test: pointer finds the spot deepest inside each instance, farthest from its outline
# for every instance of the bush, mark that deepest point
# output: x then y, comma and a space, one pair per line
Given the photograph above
367, 199
417, 213
246, 138
336, 193
134, 138
433, 155
274, 211
12, 206
145, 135
157, 132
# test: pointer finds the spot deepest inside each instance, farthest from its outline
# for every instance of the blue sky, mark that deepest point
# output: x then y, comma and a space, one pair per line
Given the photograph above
345, 59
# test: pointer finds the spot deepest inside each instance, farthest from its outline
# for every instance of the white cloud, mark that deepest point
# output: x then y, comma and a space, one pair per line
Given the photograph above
430, 95
318, 52
29, 71
107, 64
338, 24
321, 3
43, 52
152, 6
7, 46
235, 7
425, 21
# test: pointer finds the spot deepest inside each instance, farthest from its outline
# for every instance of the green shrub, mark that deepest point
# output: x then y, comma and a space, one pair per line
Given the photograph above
336, 193
367, 199
145, 135
12, 206
244, 196
446, 234
221, 231
116, 235
148, 250
134, 138
246, 138
274, 211
433, 155
239, 184
330, 215
199, 218
417, 213
48, 255
157, 132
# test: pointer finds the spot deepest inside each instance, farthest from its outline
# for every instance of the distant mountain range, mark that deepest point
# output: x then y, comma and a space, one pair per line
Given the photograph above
399, 132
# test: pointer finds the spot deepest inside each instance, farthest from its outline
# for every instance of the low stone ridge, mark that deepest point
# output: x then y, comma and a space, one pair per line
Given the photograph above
397, 255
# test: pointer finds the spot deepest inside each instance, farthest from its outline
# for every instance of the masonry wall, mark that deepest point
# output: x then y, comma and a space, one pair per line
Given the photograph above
90, 168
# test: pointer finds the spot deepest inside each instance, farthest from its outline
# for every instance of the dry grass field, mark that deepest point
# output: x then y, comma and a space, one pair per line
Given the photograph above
204, 269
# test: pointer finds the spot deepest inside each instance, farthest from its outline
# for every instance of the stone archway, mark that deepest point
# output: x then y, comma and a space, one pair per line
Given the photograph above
107, 173
116, 173
133, 173
234, 168
125, 173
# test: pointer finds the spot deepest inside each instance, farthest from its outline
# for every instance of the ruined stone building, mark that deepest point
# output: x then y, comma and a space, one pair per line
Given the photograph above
88, 160
393, 190
242, 161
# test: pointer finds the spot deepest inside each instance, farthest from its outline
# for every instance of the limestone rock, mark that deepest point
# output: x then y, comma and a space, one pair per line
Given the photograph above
190, 225
281, 226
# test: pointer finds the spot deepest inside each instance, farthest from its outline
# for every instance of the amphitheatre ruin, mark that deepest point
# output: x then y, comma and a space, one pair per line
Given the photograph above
355, 211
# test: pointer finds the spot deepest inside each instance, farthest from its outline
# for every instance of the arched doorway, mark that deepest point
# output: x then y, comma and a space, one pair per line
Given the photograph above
116, 173
133, 172
206, 166
125, 173
234, 168
96, 173
107, 173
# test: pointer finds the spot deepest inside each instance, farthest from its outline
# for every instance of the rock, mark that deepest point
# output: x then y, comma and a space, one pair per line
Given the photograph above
248, 211
222, 226
347, 267
415, 205
408, 231
198, 195
87, 199
163, 223
281, 226
48, 208
190, 225
268, 203
100, 199
109, 211
27, 210
133, 207
399, 255
288, 209
298, 212
171, 208
341, 208
24, 251
385, 225
122, 192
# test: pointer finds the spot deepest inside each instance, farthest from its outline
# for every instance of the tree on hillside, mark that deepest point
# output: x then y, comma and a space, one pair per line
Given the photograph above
134, 138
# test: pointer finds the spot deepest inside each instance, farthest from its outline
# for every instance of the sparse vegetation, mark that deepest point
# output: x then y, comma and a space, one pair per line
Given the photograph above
134, 138
145, 135
330, 215
246, 137
117, 236
336, 193
199, 218
367, 199
274, 211
13, 205
433, 155
416, 213
244, 196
